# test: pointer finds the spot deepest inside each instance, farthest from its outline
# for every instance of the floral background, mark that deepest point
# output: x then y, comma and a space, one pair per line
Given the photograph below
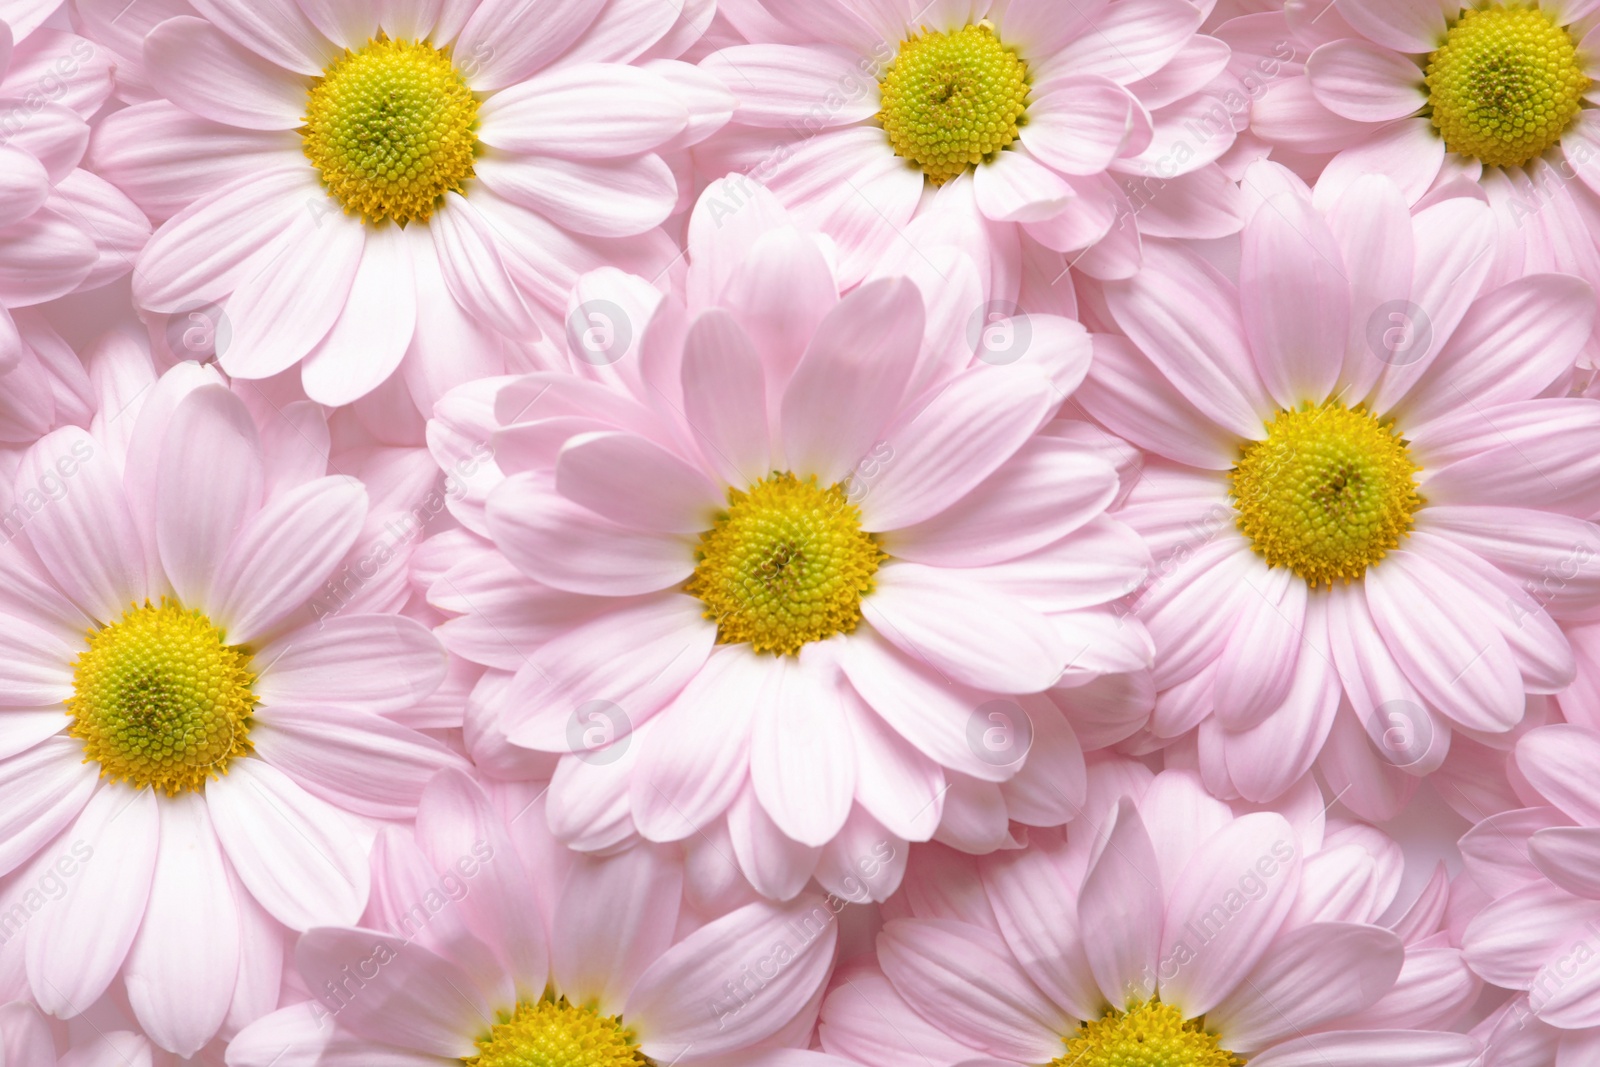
799, 533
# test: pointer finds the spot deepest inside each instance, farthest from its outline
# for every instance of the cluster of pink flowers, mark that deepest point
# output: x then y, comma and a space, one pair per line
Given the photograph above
799, 533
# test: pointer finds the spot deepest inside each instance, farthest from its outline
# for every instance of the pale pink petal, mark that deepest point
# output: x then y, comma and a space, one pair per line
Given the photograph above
283, 554
1049, 488
724, 398
347, 23
317, 746
777, 866
1017, 188
802, 762
568, 546
469, 254
948, 447
1369, 84
24, 185
1261, 660
299, 857
697, 756
456, 820
515, 38
604, 198
75, 949
588, 111
202, 70
868, 1021
1122, 892
1130, 41
1511, 345
1375, 1048
1127, 394
850, 381
935, 715
43, 257
1444, 643
591, 684
637, 483
1294, 296
781, 86
1513, 938
1410, 151
964, 979
669, 1002
616, 915
35, 665
1253, 844
963, 630
1288, 992
1077, 124
780, 294
180, 990
278, 31
1039, 922
1568, 857
46, 787
1403, 25
381, 663
208, 483
898, 785
299, 1036
206, 249
1185, 318
86, 538
370, 337
292, 292
1552, 760
414, 999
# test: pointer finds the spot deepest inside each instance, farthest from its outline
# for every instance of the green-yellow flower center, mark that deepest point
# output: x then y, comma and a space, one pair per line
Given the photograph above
551, 1032
785, 565
1328, 493
952, 100
160, 699
391, 128
1505, 84
1148, 1034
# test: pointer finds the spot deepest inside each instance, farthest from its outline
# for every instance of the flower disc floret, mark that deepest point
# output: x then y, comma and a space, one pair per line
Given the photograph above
785, 565
160, 699
1505, 84
1328, 493
952, 100
1147, 1034
551, 1032
391, 127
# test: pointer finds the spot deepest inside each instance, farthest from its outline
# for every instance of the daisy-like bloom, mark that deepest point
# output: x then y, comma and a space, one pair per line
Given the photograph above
1541, 932
784, 561
186, 748
1360, 462
1178, 931
369, 186
486, 944
1500, 93
1033, 123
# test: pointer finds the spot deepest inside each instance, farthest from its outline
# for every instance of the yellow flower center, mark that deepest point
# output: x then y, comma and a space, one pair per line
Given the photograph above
952, 100
785, 565
1328, 493
1505, 84
1148, 1034
391, 129
554, 1033
160, 699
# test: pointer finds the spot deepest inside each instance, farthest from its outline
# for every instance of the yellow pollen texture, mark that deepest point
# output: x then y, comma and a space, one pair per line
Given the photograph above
1148, 1034
160, 700
1505, 84
785, 565
950, 101
554, 1033
391, 129
1328, 493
